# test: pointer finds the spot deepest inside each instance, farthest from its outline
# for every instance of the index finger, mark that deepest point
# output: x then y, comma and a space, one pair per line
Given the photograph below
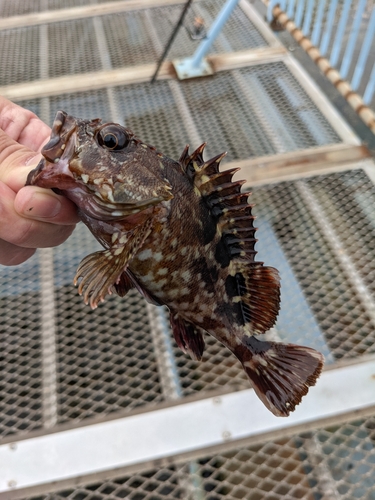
22, 125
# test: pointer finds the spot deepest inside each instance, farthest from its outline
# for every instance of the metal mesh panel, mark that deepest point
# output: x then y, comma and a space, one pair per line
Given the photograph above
230, 112
105, 357
256, 111
141, 28
18, 7
309, 316
92, 104
130, 37
218, 369
20, 55
20, 347
334, 463
331, 315
67, 48
21, 7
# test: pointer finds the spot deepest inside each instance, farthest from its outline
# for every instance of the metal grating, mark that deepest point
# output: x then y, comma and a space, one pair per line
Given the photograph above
73, 47
320, 305
226, 111
311, 260
20, 347
333, 463
249, 112
254, 112
21, 45
106, 361
67, 48
21, 7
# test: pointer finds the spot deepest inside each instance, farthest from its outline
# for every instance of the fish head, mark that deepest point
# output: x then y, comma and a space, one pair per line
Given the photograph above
102, 167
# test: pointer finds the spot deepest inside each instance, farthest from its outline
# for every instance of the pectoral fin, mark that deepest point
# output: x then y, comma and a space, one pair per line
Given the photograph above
100, 271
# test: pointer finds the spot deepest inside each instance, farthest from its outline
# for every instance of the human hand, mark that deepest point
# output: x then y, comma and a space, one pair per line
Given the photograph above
30, 217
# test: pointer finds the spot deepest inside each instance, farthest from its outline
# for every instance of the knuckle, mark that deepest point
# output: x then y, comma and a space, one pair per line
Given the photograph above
23, 234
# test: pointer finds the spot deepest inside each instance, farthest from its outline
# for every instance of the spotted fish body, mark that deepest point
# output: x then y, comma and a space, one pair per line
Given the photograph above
182, 233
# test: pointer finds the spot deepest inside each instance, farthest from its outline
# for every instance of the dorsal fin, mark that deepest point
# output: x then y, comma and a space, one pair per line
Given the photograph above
227, 203
253, 289
192, 163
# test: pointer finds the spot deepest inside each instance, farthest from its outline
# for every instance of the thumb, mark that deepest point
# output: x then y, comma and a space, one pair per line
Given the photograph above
15, 162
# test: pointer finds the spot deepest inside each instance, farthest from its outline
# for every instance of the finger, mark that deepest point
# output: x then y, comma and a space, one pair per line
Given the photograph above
25, 232
22, 125
11, 255
12, 157
43, 204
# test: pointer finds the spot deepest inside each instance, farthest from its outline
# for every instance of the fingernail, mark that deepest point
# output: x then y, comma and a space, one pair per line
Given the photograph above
42, 205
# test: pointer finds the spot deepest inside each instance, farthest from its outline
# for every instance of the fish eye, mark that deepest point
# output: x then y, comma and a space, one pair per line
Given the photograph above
113, 138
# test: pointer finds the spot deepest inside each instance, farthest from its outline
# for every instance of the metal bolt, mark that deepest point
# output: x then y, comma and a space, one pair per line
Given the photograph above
226, 435
216, 400
13, 446
12, 483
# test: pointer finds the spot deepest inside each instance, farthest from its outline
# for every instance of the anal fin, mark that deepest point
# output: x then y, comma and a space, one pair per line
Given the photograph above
281, 374
189, 338
123, 284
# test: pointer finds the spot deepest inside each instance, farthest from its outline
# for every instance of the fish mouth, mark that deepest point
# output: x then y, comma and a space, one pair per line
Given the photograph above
53, 171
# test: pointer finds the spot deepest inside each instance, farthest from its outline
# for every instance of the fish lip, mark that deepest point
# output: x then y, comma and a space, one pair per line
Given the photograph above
53, 170
62, 129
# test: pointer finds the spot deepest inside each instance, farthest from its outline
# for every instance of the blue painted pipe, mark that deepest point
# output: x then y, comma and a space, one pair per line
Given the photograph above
348, 55
337, 44
369, 92
214, 31
308, 18
329, 27
318, 23
365, 50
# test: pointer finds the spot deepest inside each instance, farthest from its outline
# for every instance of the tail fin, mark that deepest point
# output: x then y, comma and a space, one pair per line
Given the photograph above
281, 374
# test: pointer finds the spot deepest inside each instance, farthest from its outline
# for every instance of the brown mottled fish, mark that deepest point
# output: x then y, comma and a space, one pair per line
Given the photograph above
182, 233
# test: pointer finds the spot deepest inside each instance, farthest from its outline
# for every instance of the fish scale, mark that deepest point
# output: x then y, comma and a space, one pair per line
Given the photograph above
182, 233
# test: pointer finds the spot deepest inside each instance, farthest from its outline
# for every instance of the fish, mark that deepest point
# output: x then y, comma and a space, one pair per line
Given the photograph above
182, 233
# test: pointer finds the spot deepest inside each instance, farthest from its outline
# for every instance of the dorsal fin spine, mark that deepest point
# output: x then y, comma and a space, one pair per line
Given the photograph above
184, 156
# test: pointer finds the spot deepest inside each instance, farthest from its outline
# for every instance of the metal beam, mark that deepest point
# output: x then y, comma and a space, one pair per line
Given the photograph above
58, 15
300, 164
132, 74
188, 429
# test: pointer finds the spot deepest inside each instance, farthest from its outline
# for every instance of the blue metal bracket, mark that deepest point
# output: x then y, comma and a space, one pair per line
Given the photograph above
197, 65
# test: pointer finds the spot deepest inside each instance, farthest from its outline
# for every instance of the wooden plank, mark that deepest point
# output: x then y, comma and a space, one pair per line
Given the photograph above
131, 74
54, 16
300, 164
